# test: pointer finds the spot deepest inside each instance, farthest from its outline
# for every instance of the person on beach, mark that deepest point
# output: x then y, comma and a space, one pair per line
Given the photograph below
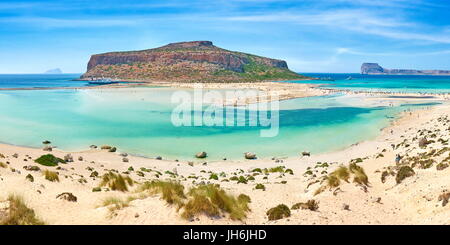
397, 159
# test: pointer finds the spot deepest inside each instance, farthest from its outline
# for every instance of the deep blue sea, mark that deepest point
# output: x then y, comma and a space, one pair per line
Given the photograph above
40, 80
138, 120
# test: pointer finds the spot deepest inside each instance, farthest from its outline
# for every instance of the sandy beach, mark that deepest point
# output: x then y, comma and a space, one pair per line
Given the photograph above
417, 199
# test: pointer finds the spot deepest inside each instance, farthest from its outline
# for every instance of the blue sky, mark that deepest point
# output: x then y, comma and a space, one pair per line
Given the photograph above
311, 35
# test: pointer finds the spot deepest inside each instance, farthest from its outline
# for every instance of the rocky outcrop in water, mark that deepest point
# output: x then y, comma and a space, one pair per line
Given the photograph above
198, 61
375, 69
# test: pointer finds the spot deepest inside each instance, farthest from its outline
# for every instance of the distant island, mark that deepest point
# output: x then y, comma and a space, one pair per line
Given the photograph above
197, 61
375, 69
54, 71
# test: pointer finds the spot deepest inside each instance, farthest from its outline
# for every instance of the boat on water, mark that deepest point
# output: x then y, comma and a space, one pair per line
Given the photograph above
103, 81
326, 79
349, 78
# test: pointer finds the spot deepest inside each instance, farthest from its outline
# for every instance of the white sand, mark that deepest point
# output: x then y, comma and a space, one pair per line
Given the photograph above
414, 201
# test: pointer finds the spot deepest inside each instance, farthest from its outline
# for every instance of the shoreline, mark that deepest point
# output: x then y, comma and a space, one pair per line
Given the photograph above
384, 101
283, 90
414, 201
152, 210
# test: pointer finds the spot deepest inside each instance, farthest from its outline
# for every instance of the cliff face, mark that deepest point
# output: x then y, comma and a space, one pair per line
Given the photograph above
375, 69
199, 61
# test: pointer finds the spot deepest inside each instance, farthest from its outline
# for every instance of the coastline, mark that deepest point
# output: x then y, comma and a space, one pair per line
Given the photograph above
152, 210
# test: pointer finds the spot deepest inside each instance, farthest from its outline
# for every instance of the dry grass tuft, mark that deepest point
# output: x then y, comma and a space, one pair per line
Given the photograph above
172, 192
51, 176
342, 173
116, 182
213, 201
333, 179
312, 205
360, 176
19, 213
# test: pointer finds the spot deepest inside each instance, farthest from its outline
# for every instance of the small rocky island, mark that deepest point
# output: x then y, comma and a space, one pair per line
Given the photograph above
197, 61
375, 69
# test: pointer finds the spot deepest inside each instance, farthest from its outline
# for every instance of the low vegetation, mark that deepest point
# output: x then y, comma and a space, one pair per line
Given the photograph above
279, 212
49, 160
210, 200
116, 182
19, 214
260, 187
51, 176
344, 173
403, 173
114, 204
172, 192
213, 201
312, 205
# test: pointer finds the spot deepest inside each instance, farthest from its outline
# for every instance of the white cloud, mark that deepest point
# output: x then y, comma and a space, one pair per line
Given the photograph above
360, 21
43, 22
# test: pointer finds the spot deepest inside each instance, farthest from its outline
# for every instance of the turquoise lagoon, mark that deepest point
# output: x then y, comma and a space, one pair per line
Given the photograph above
138, 121
389, 83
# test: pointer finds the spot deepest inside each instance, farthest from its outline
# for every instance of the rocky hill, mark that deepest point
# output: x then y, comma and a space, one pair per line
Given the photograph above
198, 61
375, 69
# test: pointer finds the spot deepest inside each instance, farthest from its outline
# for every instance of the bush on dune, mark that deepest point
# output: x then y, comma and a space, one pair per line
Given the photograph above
279, 212
49, 160
312, 205
403, 173
51, 176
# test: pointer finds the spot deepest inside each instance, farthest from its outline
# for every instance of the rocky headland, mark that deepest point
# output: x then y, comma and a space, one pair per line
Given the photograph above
375, 69
197, 61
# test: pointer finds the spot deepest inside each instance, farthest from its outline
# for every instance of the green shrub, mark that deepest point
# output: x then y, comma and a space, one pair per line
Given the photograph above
49, 160
279, 212
257, 170
260, 187
289, 171
214, 176
30, 178
242, 180
279, 169
403, 173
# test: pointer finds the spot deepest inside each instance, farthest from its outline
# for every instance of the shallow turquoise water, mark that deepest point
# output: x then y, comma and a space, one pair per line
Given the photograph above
397, 83
138, 121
